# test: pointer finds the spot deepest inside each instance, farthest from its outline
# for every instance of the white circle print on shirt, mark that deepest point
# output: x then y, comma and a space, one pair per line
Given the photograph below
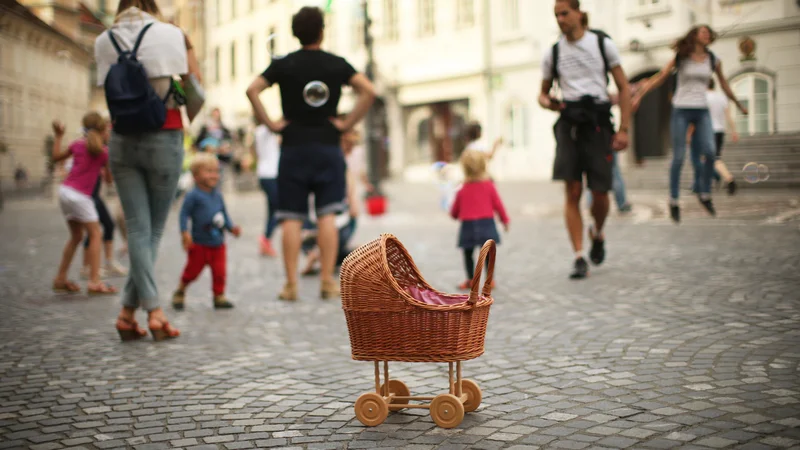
316, 93
218, 220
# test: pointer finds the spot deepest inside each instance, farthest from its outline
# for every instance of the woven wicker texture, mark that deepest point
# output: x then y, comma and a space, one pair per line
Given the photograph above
387, 324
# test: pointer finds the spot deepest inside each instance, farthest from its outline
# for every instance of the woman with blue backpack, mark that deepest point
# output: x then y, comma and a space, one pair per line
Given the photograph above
694, 65
137, 60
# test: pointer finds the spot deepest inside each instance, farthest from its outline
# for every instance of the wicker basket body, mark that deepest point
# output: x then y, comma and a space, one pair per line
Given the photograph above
387, 324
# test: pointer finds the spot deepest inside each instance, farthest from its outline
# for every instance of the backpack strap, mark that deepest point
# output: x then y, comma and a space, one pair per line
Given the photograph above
601, 41
713, 60
139, 39
114, 42
554, 71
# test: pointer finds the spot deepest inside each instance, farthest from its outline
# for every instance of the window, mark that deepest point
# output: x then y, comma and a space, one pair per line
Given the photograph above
465, 13
517, 126
358, 28
233, 60
218, 11
426, 17
251, 50
272, 41
390, 20
329, 36
511, 15
754, 91
217, 60
233, 9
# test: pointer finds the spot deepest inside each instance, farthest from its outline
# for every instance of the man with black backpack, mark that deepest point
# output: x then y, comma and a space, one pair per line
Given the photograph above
585, 137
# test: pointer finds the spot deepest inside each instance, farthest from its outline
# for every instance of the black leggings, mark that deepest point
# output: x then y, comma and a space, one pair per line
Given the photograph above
105, 220
469, 262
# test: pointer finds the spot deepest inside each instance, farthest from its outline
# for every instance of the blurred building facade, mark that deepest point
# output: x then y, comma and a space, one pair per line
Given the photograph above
445, 62
44, 75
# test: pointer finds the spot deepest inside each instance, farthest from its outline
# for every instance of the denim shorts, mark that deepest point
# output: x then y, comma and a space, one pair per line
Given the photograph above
307, 169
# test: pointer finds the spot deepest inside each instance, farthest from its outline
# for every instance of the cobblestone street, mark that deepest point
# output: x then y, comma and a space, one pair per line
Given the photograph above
687, 337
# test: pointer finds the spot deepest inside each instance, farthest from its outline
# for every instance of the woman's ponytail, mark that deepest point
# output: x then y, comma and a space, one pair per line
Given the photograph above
95, 127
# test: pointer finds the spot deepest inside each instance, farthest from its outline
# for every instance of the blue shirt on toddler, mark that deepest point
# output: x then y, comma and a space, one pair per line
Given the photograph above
208, 215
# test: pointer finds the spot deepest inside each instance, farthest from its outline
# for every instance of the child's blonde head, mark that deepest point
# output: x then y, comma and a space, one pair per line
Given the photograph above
474, 164
201, 160
95, 126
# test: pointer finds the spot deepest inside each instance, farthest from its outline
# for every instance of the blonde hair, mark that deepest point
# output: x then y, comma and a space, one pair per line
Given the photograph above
146, 6
474, 164
201, 160
95, 126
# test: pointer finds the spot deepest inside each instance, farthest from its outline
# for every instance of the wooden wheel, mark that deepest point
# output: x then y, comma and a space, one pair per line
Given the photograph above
474, 395
399, 389
447, 410
371, 409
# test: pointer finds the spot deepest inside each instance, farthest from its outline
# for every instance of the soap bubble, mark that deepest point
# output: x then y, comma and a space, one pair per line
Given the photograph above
750, 171
316, 93
763, 172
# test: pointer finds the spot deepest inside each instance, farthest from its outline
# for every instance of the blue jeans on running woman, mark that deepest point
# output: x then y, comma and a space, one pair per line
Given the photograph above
270, 188
617, 185
703, 135
146, 168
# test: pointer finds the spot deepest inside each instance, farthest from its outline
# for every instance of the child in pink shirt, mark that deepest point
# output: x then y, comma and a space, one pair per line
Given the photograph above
90, 156
475, 206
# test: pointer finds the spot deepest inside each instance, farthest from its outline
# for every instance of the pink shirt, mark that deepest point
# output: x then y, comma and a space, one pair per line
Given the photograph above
85, 167
478, 200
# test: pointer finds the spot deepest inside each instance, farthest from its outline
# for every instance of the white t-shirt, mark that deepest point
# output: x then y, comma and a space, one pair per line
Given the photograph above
693, 78
717, 107
581, 70
162, 51
479, 145
268, 151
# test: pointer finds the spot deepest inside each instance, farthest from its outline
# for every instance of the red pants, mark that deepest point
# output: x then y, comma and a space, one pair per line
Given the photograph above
199, 257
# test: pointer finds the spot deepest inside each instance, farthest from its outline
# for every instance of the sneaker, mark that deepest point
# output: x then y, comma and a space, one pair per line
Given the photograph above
598, 252
626, 208
709, 206
114, 268
222, 302
732, 188
266, 247
581, 269
675, 213
177, 300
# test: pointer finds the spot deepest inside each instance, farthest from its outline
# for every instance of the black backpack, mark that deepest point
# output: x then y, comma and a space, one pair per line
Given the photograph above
601, 39
133, 104
712, 58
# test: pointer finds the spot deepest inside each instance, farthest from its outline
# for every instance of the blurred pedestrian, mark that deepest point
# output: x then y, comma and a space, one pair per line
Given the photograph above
90, 156
146, 164
475, 206
266, 147
585, 138
695, 66
205, 243
311, 161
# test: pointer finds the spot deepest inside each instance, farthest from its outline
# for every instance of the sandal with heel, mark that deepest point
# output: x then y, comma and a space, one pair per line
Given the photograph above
129, 330
164, 332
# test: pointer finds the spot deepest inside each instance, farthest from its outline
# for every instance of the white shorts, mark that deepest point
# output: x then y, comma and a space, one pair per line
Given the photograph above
76, 205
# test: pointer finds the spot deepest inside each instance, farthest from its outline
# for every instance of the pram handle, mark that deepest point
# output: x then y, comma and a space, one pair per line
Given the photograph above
489, 249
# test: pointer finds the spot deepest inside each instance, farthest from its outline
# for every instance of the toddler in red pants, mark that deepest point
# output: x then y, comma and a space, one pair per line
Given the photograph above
205, 244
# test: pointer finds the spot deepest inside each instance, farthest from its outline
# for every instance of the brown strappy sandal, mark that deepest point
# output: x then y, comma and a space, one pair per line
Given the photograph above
129, 330
66, 287
166, 331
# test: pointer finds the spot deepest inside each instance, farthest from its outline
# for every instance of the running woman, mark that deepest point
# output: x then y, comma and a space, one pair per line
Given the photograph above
585, 137
695, 65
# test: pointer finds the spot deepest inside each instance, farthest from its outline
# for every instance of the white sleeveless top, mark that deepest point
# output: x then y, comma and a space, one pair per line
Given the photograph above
693, 78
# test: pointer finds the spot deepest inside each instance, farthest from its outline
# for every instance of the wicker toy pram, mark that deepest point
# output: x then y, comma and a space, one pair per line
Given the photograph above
393, 314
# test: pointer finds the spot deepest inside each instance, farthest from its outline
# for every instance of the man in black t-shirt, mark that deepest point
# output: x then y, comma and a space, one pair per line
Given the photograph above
311, 161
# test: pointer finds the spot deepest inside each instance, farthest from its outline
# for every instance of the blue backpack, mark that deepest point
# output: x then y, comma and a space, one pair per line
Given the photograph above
132, 102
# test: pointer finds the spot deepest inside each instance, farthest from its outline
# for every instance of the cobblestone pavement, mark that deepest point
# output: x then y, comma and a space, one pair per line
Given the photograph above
688, 337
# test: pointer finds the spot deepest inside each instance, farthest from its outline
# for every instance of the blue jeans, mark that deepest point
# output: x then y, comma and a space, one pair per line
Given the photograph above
703, 136
146, 169
697, 162
270, 188
617, 185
